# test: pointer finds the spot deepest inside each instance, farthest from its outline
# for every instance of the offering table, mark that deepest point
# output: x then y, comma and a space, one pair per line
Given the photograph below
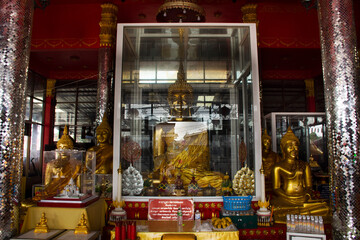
147, 230
66, 217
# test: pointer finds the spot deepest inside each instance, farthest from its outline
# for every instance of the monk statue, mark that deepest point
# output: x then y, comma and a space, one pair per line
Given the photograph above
269, 158
292, 185
62, 169
186, 150
104, 148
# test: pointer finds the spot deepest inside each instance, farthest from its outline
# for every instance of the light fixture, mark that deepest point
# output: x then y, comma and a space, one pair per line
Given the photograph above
41, 3
180, 11
309, 4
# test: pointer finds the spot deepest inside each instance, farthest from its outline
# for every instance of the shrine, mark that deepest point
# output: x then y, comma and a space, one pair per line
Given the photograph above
179, 119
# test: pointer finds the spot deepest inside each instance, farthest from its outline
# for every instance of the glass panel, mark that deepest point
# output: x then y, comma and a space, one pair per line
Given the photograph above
147, 70
25, 157
37, 115
66, 95
35, 154
58, 131
194, 126
87, 95
215, 70
39, 90
82, 137
86, 114
27, 110
65, 114
167, 70
195, 70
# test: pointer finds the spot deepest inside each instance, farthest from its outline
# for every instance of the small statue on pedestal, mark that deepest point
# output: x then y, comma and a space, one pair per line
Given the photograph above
226, 186
42, 226
179, 186
81, 227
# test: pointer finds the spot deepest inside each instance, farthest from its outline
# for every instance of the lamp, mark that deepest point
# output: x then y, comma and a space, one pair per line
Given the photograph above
309, 4
180, 11
41, 3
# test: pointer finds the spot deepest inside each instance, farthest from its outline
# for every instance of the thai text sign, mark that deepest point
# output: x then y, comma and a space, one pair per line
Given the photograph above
166, 209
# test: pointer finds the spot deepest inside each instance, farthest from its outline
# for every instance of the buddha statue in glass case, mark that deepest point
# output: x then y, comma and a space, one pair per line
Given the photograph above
182, 144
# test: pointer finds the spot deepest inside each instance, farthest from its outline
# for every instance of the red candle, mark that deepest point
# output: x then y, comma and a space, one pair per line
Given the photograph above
129, 229
123, 231
117, 232
133, 231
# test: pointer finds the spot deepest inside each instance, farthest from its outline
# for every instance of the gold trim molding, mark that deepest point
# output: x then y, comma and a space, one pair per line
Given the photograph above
108, 25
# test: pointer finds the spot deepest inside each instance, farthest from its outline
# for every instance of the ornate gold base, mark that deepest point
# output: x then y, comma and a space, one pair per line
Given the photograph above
41, 230
81, 230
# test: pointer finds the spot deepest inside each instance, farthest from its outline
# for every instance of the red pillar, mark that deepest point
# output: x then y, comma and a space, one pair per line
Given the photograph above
49, 113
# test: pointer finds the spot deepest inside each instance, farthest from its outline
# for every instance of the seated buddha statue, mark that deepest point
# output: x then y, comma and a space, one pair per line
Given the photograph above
188, 153
62, 169
292, 184
104, 148
42, 227
269, 158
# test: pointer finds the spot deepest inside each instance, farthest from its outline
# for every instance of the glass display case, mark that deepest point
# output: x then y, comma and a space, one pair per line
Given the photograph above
186, 105
69, 173
309, 127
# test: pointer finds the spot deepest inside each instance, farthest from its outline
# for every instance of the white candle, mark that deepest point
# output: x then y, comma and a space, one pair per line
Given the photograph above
119, 185
262, 175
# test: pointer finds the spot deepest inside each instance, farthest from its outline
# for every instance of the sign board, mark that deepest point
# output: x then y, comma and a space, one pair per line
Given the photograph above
166, 209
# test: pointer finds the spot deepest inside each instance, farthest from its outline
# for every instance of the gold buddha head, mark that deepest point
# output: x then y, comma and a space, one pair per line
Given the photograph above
266, 141
289, 145
65, 142
104, 131
180, 96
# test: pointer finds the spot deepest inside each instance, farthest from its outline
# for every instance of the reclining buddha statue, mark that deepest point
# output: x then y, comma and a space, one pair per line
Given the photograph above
62, 169
292, 184
181, 146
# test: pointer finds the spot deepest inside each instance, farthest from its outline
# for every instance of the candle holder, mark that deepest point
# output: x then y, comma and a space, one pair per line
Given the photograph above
118, 213
264, 214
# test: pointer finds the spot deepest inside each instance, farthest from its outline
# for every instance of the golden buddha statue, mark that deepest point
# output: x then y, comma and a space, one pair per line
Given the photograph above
82, 228
269, 158
62, 169
104, 148
292, 184
42, 226
188, 153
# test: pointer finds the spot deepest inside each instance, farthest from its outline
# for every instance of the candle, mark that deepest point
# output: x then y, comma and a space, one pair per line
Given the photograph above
262, 178
123, 231
133, 232
119, 185
117, 232
129, 230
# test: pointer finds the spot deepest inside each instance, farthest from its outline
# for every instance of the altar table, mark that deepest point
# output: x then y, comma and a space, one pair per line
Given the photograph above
67, 218
155, 230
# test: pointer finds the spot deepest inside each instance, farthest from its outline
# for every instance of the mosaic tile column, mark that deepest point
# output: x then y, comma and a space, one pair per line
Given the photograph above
15, 37
341, 88
106, 59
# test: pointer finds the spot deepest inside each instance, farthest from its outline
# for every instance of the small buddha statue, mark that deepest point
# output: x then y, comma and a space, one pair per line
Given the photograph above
292, 184
62, 169
82, 227
269, 158
104, 148
42, 226
226, 186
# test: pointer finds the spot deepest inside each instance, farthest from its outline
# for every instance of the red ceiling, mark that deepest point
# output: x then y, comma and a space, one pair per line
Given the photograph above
65, 35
